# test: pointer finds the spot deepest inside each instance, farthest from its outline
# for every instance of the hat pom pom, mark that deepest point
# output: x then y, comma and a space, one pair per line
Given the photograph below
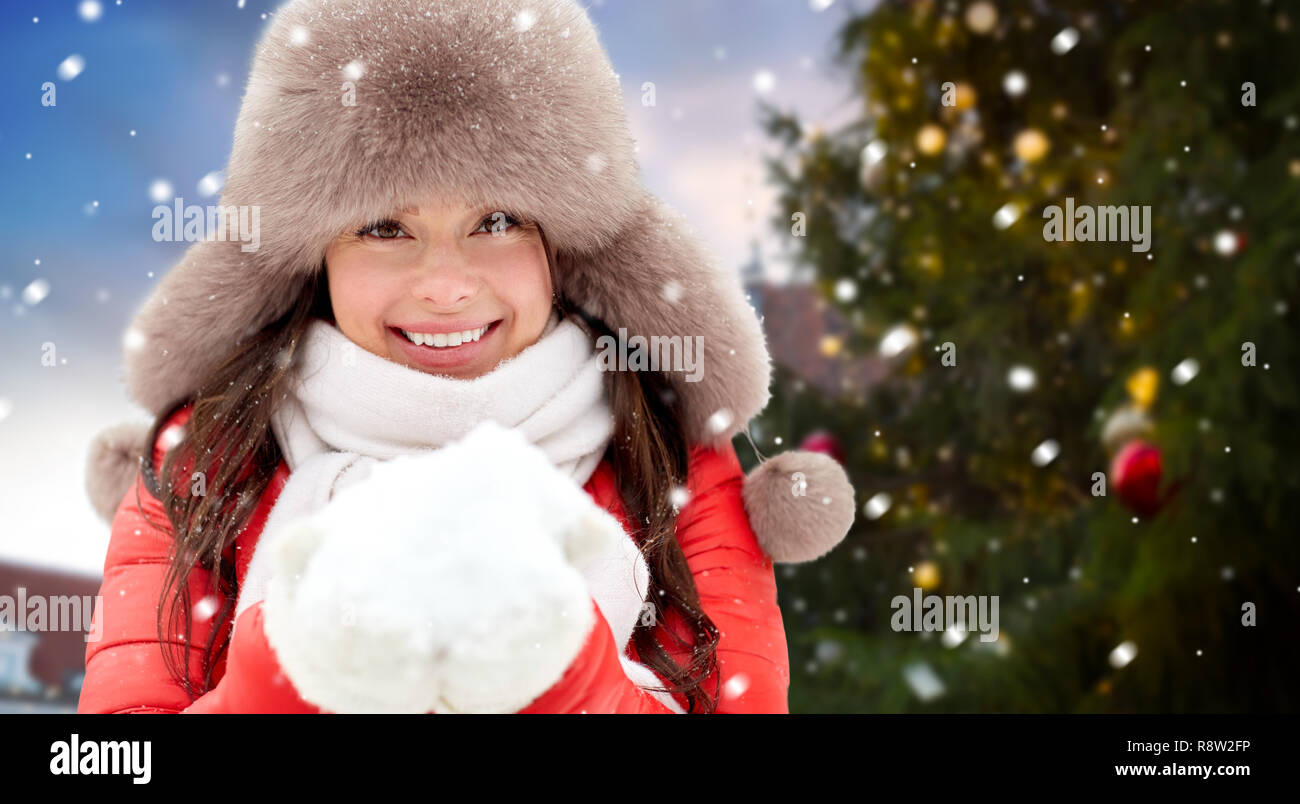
112, 465
800, 505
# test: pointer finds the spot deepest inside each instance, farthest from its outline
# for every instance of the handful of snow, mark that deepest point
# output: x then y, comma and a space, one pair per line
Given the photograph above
442, 582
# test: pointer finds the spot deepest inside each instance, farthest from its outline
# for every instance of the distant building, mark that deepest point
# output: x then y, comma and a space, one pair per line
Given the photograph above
41, 671
802, 332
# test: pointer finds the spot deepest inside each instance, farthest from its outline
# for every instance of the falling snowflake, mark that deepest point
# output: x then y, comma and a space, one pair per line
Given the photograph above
37, 290
211, 184
1225, 243
1006, 215
876, 507
1015, 83
873, 152
1021, 378
1185, 371
172, 436
205, 608
1065, 41
160, 191
525, 20
720, 420
679, 496
897, 340
1123, 653
71, 67
133, 339
1045, 453
953, 636
735, 686
828, 650
922, 680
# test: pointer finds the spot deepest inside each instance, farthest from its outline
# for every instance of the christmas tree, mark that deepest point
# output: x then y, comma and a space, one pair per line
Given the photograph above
1072, 229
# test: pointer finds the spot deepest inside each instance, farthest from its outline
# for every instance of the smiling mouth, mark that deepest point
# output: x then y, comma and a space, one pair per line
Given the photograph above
443, 341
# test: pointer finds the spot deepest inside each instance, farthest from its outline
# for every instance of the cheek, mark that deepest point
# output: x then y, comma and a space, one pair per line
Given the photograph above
523, 283
359, 297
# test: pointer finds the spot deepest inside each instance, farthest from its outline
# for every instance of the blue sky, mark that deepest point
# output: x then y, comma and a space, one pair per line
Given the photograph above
77, 212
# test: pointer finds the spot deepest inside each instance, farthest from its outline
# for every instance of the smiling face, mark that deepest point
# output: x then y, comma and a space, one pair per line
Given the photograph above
443, 288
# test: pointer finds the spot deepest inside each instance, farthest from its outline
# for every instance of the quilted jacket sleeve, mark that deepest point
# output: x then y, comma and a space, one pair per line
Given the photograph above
737, 588
125, 671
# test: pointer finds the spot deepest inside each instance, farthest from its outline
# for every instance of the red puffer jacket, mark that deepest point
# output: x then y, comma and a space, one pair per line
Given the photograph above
125, 671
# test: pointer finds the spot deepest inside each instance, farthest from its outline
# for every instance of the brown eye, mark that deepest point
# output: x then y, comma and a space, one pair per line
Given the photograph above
382, 230
498, 222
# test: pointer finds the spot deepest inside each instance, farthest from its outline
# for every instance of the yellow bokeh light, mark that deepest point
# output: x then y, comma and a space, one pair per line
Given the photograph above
1143, 385
926, 575
1031, 145
930, 139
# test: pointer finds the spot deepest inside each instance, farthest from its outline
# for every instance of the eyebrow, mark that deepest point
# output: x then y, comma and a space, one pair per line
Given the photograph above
482, 210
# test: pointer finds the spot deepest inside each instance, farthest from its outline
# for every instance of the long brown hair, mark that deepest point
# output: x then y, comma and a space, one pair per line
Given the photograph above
228, 442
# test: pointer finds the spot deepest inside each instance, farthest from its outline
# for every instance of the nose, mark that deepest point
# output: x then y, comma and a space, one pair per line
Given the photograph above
445, 279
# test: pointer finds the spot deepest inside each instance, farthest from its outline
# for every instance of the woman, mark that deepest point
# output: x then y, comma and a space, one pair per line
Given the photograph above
452, 189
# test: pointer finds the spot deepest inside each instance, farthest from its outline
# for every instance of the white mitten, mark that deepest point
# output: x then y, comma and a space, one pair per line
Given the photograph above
440, 582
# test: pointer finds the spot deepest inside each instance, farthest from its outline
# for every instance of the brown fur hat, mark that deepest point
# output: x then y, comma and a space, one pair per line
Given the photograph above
355, 108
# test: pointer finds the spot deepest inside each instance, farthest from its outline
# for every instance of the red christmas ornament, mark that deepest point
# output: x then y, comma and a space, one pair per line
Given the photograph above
825, 443
1135, 474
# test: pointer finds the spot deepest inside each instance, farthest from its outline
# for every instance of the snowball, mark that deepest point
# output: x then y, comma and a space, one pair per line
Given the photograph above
457, 575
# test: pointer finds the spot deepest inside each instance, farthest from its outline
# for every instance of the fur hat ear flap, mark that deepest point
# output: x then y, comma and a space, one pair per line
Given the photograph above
800, 505
112, 466
657, 282
200, 311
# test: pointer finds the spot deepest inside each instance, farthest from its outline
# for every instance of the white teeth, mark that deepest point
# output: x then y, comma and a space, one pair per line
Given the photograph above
445, 339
